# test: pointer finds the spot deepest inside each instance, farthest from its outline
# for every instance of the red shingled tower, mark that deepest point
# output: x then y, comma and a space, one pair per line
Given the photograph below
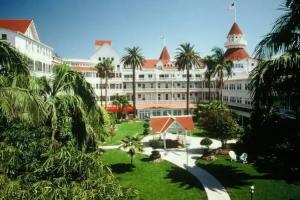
236, 44
164, 54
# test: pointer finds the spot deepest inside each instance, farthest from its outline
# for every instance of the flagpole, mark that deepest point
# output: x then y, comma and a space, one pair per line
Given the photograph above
235, 11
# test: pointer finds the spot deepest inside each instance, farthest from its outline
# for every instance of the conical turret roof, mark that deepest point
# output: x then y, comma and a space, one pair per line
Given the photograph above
235, 30
164, 54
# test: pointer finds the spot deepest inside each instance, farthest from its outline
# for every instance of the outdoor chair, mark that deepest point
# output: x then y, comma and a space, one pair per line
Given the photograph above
244, 157
232, 156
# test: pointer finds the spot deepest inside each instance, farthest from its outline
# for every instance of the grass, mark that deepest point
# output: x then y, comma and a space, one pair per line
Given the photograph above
238, 177
153, 180
131, 128
198, 131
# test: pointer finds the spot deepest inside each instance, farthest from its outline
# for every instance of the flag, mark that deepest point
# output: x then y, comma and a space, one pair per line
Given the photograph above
231, 7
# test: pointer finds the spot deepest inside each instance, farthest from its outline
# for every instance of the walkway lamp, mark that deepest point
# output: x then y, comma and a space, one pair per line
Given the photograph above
251, 191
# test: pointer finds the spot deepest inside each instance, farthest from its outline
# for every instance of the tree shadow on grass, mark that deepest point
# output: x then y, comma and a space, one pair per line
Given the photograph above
229, 176
121, 168
184, 178
146, 159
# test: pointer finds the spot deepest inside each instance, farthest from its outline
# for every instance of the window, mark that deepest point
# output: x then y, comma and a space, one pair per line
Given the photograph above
232, 99
150, 75
225, 98
198, 76
158, 85
141, 76
152, 85
167, 97
139, 96
239, 100
247, 86
239, 86
4, 37
139, 85
178, 96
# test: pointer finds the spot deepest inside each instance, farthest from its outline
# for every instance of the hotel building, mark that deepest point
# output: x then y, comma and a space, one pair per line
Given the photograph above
161, 88
23, 35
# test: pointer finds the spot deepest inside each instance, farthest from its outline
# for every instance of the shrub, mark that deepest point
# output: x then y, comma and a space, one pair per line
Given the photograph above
155, 155
206, 142
156, 144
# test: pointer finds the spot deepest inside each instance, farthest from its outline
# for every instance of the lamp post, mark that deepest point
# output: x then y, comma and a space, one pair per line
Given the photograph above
187, 151
251, 191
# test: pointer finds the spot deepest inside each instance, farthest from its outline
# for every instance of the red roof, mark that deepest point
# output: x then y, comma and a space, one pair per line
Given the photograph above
84, 69
17, 25
164, 54
235, 30
101, 42
235, 54
150, 63
161, 124
186, 122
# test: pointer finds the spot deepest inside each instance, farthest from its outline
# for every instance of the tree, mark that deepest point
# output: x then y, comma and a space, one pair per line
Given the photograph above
133, 144
219, 122
206, 142
134, 59
277, 75
101, 75
222, 68
186, 58
210, 64
29, 169
106, 68
121, 102
275, 82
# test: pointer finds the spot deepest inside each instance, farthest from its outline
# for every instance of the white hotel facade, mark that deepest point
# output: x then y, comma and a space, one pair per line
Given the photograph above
160, 87
23, 35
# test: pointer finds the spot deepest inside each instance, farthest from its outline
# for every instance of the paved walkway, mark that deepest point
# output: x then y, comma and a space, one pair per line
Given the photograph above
213, 188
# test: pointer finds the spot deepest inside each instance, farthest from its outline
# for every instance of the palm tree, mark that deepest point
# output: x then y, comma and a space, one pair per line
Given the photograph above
106, 68
186, 57
135, 60
133, 144
222, 68
210, 64
278, 72
101, 75
68, 95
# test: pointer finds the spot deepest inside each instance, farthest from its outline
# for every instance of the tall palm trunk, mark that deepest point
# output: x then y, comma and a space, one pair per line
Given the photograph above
209, 98
101, 92
188, 91
133, 88
221, 87
106, 80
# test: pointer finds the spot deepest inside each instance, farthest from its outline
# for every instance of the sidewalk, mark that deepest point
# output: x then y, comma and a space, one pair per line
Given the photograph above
213, 188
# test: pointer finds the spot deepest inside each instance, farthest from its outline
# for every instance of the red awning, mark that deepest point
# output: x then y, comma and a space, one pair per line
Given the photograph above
114, 109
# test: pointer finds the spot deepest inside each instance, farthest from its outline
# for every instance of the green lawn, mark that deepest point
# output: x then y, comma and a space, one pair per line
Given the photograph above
131, 128
160, 181
237, 177
198, 131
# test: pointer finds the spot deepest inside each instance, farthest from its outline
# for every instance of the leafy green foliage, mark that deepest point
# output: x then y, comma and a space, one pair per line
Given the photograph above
219, 122
29, 169
206, 142
121, 102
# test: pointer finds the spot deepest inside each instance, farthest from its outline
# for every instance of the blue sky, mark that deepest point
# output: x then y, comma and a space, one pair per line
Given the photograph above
72, 26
